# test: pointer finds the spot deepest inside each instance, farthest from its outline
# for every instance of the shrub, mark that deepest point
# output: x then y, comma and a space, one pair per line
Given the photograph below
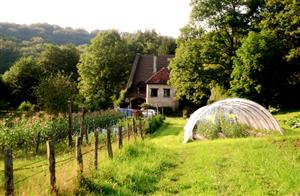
221, 126
154, 123
26, 106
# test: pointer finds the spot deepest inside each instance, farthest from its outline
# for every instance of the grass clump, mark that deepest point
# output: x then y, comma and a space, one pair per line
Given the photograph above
134, 171
155, 122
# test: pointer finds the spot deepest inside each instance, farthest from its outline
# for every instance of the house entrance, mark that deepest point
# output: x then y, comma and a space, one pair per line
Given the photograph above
136, 103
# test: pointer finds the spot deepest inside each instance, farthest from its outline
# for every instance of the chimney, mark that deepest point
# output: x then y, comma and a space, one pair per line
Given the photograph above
154, 64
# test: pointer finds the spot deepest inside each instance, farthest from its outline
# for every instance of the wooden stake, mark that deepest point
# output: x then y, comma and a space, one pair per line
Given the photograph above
141, 128
96, 148
108, 141
37, 143
51, 161
128, 131
8, 169
70, 125
83, 130
79, 158
134, 128
120, 137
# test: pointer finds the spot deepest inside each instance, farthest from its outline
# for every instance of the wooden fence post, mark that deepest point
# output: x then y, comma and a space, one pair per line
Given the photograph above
83, 130
128, 131
79, 157
134, 128
120, 137
8, 169
70, 126
108, 141
37, 142
51, 161
141, 128
96, 148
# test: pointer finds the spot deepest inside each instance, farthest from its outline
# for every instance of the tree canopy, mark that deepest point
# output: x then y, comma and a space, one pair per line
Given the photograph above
102, 67
241, 48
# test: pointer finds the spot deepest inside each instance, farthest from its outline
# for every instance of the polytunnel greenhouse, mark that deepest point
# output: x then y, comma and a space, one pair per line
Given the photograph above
233, 111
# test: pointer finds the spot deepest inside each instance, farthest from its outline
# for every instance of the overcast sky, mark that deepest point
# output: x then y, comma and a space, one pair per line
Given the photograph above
165, 16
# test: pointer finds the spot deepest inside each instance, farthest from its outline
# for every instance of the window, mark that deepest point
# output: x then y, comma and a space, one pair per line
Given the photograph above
166, 92
154, 92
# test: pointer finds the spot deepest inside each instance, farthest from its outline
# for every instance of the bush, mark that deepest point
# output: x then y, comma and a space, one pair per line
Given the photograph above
154, 123
221, 127
26, 106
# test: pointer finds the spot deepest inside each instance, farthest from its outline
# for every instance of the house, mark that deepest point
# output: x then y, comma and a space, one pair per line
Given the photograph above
148, 82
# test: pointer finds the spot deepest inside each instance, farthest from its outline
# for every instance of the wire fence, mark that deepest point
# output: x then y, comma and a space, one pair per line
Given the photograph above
43, 166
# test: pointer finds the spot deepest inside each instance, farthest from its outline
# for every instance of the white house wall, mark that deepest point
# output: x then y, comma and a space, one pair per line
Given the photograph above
160, 100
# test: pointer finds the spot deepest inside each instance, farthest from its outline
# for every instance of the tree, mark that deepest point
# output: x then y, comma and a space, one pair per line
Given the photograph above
62, 59
259, 69
229, 19
149, 42
9, 53
197, 67
267, 67
21, 79
102, 67
54, 91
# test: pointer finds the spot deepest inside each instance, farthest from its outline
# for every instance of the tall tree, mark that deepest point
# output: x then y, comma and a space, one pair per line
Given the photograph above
102, 67
9, 53
267, 65
208, 44
149, 42
259, 69
62, 59
54, 91
193, 71
21, 79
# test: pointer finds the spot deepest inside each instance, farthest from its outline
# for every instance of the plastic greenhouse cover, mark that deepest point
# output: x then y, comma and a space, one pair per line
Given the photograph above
238, 110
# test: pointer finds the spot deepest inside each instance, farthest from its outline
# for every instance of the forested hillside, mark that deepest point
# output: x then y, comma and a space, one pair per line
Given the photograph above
39, 64
50, 33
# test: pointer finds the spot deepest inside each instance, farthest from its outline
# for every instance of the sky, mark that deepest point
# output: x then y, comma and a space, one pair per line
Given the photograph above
165, 16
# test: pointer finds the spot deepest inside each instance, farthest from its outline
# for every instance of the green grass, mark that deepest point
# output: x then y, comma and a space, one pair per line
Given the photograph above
162, 165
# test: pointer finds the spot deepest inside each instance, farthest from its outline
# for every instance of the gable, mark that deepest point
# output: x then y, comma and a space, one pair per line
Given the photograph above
160, 77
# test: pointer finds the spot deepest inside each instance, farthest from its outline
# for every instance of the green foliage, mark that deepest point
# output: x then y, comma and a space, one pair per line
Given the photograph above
149, 42
163, 166
217, 93
120, 102
21, 78
154, 123
293, 122
26, 106
53, 92
22, 132
131, 172
50, 33
56, 59
102, 68
259, 59
9, 53
221, 127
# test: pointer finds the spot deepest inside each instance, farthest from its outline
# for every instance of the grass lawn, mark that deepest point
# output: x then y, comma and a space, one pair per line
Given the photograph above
162, 165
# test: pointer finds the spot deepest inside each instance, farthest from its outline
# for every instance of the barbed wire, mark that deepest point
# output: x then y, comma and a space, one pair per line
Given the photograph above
27, 165
27, 177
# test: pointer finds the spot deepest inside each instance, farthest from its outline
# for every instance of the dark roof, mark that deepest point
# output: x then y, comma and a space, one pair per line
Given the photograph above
142, 68
160, 77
